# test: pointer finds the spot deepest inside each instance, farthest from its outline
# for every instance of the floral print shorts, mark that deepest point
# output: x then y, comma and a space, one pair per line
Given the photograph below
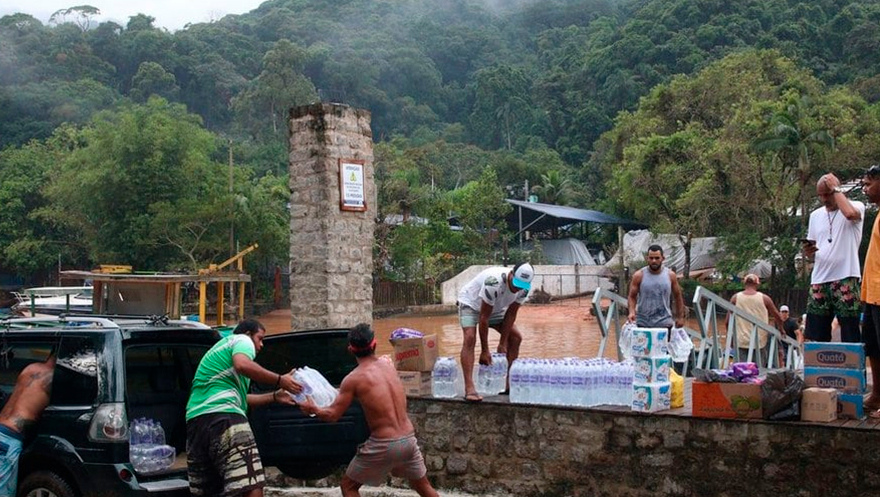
836, 298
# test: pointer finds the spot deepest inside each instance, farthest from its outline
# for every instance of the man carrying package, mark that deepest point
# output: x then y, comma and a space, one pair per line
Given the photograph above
491, 300
392, 446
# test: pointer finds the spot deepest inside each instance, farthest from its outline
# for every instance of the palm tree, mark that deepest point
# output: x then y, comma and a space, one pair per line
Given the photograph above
555, 188
793, 146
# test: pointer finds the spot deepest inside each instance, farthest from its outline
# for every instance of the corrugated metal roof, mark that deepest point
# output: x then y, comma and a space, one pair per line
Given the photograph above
538, 217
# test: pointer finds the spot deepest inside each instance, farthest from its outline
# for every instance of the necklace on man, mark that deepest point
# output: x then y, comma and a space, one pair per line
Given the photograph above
830, 221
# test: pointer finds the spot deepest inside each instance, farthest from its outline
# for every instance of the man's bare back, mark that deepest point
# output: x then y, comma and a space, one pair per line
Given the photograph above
375, 384
31, 395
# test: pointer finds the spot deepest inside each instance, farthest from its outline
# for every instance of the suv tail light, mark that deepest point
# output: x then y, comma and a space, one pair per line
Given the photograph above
109, 424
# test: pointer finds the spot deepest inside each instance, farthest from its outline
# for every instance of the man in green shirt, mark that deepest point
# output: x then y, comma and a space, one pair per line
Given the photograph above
222, 455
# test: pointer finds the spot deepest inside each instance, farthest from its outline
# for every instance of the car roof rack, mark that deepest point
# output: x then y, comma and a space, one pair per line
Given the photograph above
62, 320
121, 319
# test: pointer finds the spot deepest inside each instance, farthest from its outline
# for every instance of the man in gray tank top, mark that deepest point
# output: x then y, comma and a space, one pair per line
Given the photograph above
650, 294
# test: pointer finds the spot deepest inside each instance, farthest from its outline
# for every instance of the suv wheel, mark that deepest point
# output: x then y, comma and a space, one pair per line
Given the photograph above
45, 484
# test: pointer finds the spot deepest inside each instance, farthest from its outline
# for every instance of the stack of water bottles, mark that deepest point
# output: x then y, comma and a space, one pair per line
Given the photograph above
314, 386
491, 379
147, 449
651, 387
446, 378
571, 382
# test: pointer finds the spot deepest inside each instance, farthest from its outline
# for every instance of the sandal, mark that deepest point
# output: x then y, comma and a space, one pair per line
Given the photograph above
875, 414
873, 403
472, 397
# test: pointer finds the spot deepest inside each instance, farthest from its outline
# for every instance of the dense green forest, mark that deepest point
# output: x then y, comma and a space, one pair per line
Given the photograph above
698, 117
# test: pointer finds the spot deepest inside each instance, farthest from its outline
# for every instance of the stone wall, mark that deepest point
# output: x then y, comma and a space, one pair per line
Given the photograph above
331, 258
504, 449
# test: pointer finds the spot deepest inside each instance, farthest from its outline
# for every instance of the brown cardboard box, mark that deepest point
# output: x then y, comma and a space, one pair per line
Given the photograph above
416, 383
726, 400
819, 404
415, 354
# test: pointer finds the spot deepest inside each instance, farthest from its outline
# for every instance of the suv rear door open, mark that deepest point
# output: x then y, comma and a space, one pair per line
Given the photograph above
300, 446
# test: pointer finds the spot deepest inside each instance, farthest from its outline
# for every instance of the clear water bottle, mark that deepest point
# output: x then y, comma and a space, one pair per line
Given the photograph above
483, 380
534, 381
499, 373
443, 378
517, 387
578, 383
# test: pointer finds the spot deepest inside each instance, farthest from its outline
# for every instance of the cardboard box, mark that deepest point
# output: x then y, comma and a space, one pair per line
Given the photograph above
415, 354
726, 400
834, 355
850, 406
416, 383
650, 342
651, 369
819, 404
847, 380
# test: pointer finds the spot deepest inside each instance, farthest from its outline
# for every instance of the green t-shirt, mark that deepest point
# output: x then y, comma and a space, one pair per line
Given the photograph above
217, 387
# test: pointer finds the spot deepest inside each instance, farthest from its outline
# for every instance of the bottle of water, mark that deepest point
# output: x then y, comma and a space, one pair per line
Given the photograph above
534, 381
515, 385
443, 378
499, 373
483, 379
578, 383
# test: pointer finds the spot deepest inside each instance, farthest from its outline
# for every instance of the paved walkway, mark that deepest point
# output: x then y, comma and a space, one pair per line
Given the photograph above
365, 491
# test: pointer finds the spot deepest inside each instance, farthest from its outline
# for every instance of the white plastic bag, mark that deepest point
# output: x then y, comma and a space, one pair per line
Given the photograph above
680, 345
315, 386
625, 340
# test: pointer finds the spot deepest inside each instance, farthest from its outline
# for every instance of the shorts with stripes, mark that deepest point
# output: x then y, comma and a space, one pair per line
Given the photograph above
222, 456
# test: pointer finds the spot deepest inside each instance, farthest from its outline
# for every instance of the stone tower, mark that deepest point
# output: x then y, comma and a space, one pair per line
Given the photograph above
332, 216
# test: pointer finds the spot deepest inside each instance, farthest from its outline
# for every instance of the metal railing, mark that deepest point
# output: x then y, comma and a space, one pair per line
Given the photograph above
615, 315
720, 347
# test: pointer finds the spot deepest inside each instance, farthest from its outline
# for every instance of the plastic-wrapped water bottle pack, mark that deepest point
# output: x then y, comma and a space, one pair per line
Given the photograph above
571, 382
148, 451
315, 387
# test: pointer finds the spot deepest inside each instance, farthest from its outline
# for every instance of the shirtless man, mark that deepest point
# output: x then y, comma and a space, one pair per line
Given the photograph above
30, 396
392, 445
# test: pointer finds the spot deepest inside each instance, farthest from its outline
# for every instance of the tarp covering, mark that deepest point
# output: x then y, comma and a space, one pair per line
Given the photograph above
541, 217
703, 254
565, 251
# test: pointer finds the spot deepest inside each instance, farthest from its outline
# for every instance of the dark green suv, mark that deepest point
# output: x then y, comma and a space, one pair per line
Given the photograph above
113, 370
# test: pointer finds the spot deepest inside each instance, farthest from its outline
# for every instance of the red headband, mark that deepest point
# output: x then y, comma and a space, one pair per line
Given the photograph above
365, 348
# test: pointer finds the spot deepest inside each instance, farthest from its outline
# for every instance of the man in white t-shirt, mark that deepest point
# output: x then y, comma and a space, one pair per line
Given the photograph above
491, 300
834, 235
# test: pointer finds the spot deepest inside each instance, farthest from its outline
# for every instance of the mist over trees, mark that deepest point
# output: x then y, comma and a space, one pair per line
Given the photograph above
656, 110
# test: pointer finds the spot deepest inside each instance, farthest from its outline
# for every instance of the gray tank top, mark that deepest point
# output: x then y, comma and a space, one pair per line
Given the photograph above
652, 306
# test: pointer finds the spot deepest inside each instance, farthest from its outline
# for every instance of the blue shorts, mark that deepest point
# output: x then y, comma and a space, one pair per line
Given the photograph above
469, 318
10, 449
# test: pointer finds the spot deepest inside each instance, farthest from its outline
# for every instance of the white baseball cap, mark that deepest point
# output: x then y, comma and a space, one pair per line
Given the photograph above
783, 308
523, 273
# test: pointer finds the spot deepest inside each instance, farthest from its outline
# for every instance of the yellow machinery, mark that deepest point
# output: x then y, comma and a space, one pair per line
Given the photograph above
119, 290
216, 269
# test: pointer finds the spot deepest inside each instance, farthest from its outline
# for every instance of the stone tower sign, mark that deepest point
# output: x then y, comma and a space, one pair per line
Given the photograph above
332, 216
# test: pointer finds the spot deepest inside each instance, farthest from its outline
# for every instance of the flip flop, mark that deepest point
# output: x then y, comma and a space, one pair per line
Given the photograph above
472, 397
506, 392
875, 414
872, 404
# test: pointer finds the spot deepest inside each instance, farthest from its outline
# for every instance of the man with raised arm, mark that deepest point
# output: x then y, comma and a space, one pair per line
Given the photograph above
392, 446
834, 235
30, 397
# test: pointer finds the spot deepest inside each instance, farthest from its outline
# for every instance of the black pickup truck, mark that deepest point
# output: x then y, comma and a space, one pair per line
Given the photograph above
112, 370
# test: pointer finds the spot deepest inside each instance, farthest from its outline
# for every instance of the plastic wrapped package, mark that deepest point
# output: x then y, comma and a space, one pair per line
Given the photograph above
781, 395
676, 398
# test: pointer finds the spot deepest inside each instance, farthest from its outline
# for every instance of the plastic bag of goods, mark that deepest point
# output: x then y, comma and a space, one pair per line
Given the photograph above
315, 387
626, 340
401, 333
676, 398
680, 345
